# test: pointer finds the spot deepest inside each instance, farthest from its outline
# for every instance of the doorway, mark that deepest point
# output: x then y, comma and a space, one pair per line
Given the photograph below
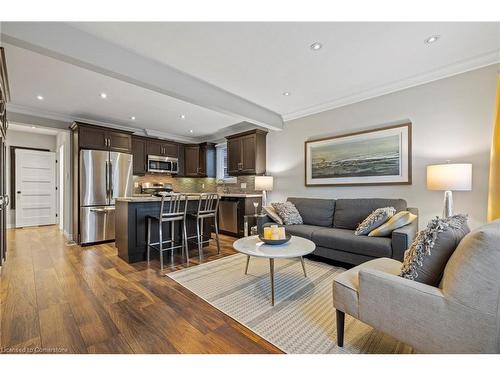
35, 188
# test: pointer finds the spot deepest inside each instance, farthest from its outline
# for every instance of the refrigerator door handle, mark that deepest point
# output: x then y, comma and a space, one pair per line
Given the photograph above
107, 180
110, 181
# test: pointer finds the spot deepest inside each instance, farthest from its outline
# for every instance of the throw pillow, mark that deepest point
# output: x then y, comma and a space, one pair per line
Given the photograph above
288, 213
271, 212
374, 220
399, 220
427, 256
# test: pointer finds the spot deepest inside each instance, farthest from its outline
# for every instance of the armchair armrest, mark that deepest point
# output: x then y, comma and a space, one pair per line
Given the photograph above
402, 239
421, 315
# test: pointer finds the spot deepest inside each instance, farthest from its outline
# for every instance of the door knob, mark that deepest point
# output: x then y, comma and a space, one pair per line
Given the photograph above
18, 192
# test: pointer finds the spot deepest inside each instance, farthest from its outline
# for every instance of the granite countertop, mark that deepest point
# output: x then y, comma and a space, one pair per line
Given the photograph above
191, 196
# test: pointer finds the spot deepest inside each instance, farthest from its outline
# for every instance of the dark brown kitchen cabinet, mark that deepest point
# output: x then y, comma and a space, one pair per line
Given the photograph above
199, 160
139, 155
99, 138
246, 153
162, 148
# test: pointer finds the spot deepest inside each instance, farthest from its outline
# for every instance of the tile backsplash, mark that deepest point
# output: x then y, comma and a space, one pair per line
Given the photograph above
197, 185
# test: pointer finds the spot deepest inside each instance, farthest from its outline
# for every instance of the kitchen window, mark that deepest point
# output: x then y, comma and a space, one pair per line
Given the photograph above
221, 160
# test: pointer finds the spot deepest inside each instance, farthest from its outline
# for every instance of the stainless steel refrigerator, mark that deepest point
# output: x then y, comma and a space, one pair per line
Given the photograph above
104, 176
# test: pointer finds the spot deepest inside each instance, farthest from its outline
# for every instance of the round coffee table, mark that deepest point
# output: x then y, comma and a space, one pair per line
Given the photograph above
297, 247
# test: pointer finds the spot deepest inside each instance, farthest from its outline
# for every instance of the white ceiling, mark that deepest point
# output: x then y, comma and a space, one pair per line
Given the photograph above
255, 61
259, 61
73, 92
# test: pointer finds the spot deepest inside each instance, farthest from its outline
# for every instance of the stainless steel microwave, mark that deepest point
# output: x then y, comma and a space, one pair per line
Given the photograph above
163, 164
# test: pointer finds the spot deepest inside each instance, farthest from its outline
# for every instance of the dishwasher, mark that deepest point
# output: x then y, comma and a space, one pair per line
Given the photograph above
228, 215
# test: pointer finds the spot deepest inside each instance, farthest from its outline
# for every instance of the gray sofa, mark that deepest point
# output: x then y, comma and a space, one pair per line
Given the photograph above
330, 224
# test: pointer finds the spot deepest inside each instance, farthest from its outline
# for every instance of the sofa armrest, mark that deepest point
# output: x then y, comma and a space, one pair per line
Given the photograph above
402, 239
422, 315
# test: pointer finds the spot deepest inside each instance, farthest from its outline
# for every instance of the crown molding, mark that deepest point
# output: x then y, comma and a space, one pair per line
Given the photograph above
460, 67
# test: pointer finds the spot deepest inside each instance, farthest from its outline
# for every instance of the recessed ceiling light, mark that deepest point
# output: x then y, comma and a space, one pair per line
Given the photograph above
132, 118
191, 131
432, 39
33, 127
183, 117
316, 46
39, 97
286, 93
103, 95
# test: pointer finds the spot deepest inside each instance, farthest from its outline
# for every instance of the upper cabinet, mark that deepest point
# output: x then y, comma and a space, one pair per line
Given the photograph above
99, 138
162, 148
139, 155
246, 153
199, 160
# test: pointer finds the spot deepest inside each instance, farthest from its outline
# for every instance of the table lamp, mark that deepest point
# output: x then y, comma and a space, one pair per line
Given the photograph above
264, 183
448, 178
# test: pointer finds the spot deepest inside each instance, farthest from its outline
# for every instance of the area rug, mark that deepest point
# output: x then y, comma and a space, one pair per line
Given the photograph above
302, 319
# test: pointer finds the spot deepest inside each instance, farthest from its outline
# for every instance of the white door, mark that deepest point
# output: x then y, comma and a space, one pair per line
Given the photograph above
35, 188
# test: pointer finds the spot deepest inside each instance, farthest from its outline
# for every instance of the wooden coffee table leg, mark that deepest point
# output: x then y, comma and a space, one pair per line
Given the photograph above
303, 266
271, 268
248, 261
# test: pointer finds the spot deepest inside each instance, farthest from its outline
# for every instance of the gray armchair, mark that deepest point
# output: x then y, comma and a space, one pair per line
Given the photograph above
462, 315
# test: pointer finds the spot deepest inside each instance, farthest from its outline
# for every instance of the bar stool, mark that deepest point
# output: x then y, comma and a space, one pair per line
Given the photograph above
208, 207
173, 209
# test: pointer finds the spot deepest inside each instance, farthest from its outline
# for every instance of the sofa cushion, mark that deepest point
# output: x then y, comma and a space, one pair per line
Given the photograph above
349, 213
346, 240
287, 212
301, 230
315, 211
374, 220
399, 220
428, 255
346, 285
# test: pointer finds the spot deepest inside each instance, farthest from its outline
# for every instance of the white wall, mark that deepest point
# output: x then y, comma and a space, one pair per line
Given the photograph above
64, 138
452, 120
24, 139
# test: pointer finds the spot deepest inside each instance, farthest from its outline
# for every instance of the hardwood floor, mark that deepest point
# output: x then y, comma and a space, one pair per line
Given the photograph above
72, 299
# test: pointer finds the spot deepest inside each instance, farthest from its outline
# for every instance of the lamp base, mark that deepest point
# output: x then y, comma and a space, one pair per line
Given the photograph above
264, 198
448, 204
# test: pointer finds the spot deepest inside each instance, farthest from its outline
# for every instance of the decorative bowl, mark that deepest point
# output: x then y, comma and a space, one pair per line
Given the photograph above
275, 242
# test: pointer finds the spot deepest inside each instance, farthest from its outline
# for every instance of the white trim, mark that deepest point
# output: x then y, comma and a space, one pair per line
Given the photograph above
490, 58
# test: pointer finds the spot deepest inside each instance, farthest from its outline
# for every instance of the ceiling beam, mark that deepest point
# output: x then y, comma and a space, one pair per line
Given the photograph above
66, 43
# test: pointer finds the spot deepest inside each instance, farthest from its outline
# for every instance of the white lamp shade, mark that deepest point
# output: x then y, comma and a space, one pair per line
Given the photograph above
454, 177
264, 183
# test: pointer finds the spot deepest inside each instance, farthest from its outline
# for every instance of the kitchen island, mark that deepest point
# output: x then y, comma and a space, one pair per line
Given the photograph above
131, 226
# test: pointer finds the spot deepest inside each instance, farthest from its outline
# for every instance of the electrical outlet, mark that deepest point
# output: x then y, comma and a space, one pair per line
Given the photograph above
243, 185
203, 185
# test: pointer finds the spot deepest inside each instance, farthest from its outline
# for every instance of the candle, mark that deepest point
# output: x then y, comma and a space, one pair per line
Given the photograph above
282, 234
267, 233
275, 232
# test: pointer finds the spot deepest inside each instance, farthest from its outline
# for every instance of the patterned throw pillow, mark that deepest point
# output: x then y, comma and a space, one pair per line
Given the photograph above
427, 256
399, 220
288, 213
374, 220
271, 212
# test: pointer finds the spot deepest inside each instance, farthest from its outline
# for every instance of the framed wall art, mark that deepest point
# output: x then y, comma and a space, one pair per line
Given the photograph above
371, 157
